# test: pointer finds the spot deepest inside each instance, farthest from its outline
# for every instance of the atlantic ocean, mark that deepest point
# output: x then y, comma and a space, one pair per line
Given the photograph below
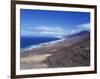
26, 42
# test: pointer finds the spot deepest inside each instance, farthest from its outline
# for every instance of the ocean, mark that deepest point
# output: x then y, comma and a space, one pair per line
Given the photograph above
26, 42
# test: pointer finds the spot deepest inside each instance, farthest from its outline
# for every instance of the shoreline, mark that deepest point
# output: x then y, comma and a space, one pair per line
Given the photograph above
41, 45
58, 55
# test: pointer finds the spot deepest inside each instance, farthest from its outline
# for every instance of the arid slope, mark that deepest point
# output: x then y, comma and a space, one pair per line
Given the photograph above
66, 53
77, 54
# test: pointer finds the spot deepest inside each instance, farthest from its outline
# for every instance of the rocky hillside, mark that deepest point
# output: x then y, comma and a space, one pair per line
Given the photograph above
78, 54
73, 51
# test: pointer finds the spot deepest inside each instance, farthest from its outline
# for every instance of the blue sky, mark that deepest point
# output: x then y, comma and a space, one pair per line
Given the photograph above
52, 23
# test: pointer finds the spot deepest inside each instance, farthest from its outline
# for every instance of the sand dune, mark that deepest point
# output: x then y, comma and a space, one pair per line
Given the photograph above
35, 58
34, 61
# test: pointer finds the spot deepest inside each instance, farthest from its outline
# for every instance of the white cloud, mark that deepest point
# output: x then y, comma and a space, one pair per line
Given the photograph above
85, 26
42, 31
81, 27
52, 30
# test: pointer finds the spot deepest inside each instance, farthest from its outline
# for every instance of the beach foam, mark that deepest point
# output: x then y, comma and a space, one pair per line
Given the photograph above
42, 44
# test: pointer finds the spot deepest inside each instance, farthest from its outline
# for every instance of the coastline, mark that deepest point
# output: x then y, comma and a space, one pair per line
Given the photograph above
60, 53
41, 45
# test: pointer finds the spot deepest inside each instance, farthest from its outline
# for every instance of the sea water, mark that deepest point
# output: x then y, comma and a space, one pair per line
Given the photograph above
26, 42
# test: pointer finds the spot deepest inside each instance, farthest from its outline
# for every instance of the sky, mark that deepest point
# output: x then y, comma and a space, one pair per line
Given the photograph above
52, 23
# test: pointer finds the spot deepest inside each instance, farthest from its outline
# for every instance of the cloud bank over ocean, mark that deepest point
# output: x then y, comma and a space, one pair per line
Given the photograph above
52, 23
53, 31
81, 27
42, 31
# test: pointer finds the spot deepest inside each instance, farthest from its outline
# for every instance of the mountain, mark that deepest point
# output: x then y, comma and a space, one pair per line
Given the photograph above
82, 33
77, 53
